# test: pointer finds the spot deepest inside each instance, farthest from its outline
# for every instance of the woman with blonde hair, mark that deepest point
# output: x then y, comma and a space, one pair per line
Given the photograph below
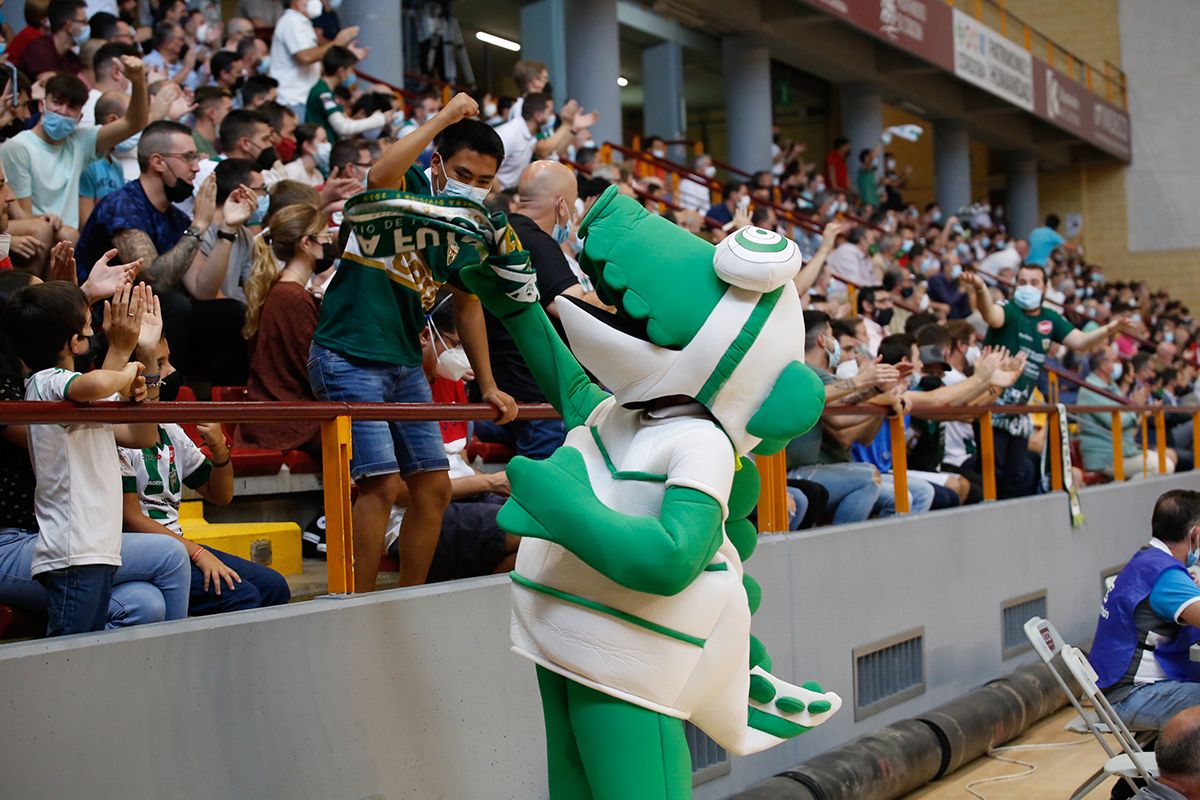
281, 315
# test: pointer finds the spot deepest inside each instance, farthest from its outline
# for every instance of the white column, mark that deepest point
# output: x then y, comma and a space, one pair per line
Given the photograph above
749, 114
381, 28
952, 165
862, 118
665, 112
544, 38
594, 63
1021, 200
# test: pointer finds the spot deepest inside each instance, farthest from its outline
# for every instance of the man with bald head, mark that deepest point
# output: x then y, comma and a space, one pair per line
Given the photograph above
543, 220
1178, 755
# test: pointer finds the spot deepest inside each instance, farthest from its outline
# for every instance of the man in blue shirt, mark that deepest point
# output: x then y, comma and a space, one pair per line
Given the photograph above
1043, 240
1148, 621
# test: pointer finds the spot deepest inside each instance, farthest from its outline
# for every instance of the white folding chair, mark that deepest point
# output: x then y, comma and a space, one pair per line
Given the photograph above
1047, 643
1135, 762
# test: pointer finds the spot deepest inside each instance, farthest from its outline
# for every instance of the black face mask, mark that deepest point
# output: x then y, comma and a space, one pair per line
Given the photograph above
883, 316
266, 158
179, 191
907, 291
168, 389
330, 255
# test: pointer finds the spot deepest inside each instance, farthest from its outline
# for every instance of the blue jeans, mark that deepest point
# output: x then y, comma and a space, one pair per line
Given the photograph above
532, 438
801, 501
151, 585
920, 496
851, 486
1149, 706
76, 598
379, 447
260, 587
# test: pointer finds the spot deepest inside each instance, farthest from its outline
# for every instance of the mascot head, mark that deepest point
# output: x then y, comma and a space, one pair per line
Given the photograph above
722, 325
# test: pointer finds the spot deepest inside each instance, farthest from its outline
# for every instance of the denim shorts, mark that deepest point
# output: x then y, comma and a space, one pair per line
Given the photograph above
379, 447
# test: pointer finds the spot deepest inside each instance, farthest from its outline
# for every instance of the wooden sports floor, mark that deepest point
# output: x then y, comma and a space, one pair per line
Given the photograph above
1059, 770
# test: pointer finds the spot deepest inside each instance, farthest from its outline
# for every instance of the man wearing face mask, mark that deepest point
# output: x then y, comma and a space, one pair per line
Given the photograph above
1095, 430
875, 309
57, 51
367, 343
296, 55
543, 220
533, 133
1024, 326
694, 194
324, 109
227, 245
44, 165
140, 219
1150, 620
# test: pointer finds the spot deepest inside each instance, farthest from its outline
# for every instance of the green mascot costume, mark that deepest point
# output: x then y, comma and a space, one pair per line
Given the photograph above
629, 592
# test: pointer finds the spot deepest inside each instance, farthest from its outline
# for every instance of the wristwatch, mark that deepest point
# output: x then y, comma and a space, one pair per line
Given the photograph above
193, 233
228, 236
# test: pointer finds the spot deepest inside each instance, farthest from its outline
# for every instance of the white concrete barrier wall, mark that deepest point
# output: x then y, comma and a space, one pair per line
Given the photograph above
414, 695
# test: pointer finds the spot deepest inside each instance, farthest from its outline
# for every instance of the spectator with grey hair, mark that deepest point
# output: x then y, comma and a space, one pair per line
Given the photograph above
1178, 756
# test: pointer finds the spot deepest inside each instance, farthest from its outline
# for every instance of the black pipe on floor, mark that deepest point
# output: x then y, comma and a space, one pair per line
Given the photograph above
901, 757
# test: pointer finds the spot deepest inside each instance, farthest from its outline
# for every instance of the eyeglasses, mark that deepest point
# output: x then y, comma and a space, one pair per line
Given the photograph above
191, 158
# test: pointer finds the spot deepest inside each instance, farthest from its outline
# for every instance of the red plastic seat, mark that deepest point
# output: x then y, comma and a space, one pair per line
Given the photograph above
490, 452
301, 463
16, 623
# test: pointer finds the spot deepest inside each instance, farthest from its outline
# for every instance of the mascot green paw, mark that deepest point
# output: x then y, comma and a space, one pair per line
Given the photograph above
533, 511
783, 710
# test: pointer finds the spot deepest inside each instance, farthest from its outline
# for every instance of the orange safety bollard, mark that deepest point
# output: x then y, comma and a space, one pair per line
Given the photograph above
772, 493
1118, 448
899, 463
339, 529
447, 94
1054, 442
987, 454
1160, 439
1052, 379
852, 297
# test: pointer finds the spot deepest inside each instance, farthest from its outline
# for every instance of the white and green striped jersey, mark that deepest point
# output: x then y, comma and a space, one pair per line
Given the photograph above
154, 473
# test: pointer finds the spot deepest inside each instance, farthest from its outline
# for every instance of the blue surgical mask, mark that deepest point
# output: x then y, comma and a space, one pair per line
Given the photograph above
260, 211
906, 245
3, 45
548, 125
351, 79
264, 65
1118, 370
985, 243
58, 127
562, 232
576, 244
1192, 557
128, 145
455, 188
835, 355
1027, 298
1169, 337
322, 156
84, 34
955, 271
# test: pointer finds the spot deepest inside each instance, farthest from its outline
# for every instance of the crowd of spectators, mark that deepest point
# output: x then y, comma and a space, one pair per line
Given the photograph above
171, 192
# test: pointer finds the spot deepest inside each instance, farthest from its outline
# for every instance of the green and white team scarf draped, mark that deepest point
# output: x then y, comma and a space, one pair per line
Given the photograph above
1064, 440
389, 223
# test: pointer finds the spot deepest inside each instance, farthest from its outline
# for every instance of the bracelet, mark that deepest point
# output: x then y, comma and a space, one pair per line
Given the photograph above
196, 553
217, 465
153, 381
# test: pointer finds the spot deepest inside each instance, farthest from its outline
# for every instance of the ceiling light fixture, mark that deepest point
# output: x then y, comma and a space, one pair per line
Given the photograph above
499, 41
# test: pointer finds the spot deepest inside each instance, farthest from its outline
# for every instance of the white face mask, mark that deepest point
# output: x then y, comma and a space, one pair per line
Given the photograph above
455, 188
314, 9
972, 355
452, 362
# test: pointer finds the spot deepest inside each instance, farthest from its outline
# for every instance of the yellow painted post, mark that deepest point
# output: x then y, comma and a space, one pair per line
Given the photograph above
899, 463
979, 10
1028, 39
339, 529
1053, 380
697, 148
987, 454
1118, 448
606, 152
1003, 17
772, 494
1087, 72
1145, 455
446, 94
1054, 442
1160, 439
852, 297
